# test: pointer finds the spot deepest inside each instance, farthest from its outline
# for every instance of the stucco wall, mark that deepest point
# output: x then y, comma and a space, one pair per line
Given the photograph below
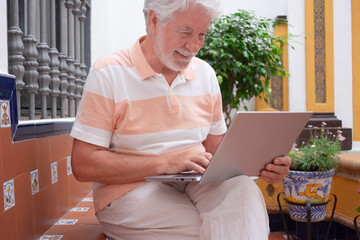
297, 83
343, 62
116, 25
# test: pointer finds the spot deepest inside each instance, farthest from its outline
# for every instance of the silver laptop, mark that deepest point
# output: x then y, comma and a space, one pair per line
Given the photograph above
253, 140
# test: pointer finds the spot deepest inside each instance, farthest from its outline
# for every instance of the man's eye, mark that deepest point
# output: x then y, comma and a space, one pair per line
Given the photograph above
202, 35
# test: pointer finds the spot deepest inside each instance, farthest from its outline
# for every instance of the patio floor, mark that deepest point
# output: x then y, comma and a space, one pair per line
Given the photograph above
80, 223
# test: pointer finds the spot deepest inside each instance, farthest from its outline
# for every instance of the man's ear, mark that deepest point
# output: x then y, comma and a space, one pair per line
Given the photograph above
153, 22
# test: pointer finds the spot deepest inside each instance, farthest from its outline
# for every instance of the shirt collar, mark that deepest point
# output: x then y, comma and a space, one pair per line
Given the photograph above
143, 67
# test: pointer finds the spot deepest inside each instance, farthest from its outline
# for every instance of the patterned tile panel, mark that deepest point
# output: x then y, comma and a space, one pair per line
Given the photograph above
5, 113
9, 194
34, 177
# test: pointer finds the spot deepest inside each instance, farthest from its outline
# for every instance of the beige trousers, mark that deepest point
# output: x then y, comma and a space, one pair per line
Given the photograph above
233, 209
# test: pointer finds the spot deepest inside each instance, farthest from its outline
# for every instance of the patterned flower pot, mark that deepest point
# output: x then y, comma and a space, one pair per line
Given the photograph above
301, 186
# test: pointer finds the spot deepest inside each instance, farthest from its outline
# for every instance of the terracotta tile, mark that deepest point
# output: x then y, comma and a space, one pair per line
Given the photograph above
86, 204
71, 232
277, 235
77, 190
73, 215
43, 149
62, 187
1, 197
45, 209
7, 224
23, 204
19, 157
44, 170
60, 147
70, 144
102, 237
43, 162
5, 134
1, 177
1, 158
89, 218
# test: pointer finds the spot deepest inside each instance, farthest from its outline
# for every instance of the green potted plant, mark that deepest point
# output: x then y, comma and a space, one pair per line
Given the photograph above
311, 171
244, 53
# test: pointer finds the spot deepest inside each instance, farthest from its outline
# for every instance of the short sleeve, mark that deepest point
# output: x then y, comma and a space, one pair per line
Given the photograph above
218, 125
95, 117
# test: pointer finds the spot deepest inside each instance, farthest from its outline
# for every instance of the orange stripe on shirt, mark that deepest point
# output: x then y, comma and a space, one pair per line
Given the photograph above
217, 107
96, 111
154, 115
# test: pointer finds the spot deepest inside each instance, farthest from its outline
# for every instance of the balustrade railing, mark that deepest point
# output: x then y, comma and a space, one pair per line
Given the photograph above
46, 54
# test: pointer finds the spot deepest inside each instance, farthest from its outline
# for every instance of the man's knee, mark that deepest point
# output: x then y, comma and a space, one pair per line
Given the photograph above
243, 183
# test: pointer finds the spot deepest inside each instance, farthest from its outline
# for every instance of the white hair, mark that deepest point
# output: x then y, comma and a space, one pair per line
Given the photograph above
165, 9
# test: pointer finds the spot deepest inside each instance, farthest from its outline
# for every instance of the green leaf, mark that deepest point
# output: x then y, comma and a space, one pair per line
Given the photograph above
220, 79
358, 209
243, 50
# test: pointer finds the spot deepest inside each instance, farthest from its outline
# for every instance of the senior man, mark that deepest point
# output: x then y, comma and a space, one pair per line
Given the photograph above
156, 109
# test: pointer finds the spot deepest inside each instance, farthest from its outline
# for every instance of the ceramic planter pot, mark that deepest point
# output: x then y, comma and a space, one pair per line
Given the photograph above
302, 186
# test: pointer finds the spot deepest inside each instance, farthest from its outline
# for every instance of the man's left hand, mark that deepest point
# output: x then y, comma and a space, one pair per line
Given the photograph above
277, 170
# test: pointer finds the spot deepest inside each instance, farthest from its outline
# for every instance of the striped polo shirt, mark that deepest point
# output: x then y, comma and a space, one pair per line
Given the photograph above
128, 107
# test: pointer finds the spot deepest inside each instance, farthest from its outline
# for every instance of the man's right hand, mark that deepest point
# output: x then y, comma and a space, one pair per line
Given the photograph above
91, 163
187, 161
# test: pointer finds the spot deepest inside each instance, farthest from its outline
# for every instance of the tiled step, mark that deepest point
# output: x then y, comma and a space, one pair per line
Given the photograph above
277, 236
333, 124
79, 223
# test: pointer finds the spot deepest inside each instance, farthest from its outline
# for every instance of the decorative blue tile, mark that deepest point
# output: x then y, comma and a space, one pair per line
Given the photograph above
51, 237
87, 200
31, 129
68, 165
66, 222
5, 120
79, 209
9, 194
54, 172
8, 92
34, 178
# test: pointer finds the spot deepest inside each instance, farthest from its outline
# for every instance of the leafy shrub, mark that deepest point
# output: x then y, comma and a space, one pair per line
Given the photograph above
244, 52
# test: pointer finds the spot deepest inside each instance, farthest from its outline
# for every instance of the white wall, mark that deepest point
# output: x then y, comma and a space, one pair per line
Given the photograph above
115, 25
3, 38
297, 68
118, 24
269, 9
343, 62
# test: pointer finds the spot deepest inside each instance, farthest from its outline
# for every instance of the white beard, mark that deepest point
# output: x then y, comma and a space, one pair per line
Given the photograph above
168, 60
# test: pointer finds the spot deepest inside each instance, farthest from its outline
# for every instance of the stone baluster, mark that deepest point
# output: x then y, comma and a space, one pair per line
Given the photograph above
83, 67
76, 11
63, 57
31, 53
44, 61
16, 48
54, 63
70, 60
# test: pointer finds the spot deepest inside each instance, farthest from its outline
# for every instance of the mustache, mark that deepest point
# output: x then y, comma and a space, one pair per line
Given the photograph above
186, 52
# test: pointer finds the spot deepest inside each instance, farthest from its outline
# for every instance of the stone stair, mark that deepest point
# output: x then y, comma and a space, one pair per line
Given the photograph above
333, 124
